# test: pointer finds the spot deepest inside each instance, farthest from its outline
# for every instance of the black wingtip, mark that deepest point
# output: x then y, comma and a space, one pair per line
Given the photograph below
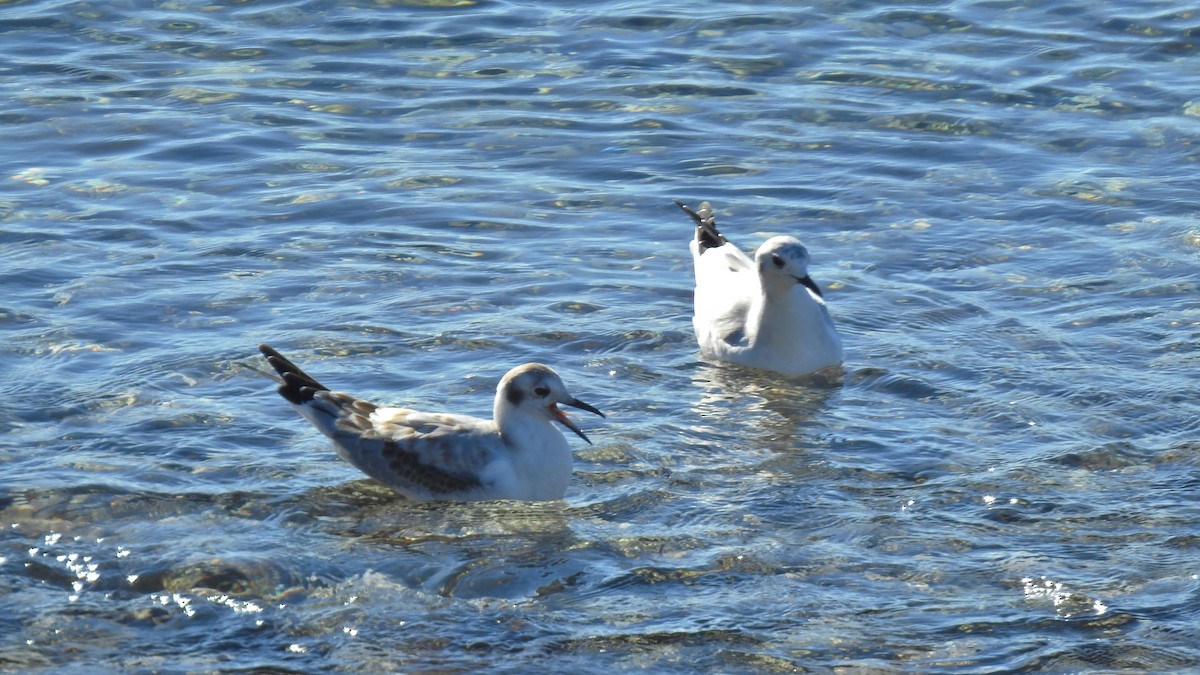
707, 235
298, 386
688, 210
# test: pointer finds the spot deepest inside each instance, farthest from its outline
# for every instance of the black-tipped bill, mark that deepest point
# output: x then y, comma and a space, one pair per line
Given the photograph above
811, 285
566, 421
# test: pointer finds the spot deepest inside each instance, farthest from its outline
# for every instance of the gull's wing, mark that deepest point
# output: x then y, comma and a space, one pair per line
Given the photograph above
721, 324
713, 254
423, 455
726, 283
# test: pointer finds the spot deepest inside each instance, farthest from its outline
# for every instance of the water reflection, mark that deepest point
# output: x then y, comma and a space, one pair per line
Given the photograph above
775, 408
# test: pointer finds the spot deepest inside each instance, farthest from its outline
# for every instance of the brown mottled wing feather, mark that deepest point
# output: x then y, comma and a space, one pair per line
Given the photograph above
421, 454
407, 467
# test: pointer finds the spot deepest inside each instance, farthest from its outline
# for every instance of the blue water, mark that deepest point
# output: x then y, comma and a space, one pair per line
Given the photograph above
411, 196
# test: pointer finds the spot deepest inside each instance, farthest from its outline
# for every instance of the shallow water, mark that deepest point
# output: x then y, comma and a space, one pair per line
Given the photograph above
409, 197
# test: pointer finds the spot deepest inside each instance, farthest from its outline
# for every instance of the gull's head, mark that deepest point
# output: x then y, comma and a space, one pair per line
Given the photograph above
783, 263
536, 390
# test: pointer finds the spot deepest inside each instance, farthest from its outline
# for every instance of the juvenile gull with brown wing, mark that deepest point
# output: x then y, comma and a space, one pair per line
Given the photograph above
519, 454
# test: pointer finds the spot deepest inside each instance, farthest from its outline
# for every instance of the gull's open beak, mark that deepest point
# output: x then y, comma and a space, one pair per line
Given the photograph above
566, 421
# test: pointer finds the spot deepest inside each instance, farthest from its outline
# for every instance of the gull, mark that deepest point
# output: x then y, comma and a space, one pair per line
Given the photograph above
426, 456
763, 313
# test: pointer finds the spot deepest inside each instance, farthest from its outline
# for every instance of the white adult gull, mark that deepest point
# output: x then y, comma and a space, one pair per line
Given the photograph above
764, 313
519, 454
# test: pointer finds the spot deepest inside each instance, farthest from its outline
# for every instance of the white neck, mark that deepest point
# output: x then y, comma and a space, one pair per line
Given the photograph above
776, 310
540, 455
771, 330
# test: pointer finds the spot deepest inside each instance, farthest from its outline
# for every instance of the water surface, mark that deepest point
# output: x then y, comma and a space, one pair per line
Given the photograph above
410, 197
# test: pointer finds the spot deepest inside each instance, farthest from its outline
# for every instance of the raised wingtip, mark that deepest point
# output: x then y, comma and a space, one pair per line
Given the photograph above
297, 386
707, 235
688, 210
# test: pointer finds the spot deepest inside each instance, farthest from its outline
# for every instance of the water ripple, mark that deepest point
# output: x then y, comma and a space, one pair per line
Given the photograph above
998, 201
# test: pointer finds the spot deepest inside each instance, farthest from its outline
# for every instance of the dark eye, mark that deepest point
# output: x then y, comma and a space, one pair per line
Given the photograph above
542, 391
777, 260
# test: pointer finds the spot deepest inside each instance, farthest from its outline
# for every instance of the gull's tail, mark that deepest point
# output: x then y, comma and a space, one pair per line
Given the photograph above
707, 235
297, 386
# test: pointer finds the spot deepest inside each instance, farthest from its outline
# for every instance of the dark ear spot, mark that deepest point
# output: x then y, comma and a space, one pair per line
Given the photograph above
514, 395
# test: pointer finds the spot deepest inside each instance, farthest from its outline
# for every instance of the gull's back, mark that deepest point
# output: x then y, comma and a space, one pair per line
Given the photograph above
726, 285
425, 455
